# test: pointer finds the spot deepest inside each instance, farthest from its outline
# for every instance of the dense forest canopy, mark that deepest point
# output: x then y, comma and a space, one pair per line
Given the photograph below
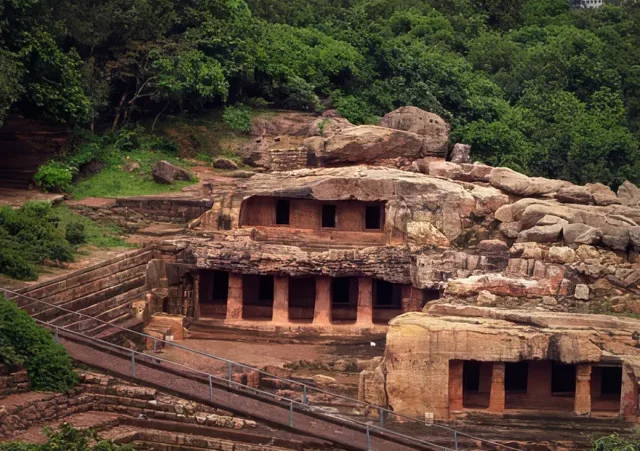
531, 84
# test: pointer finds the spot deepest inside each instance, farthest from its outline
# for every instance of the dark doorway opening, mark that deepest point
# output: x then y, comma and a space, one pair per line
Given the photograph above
387, 301
329, 216
516, 377
282, 211
257, 294
563, 379
476, 383
302, 298
428, 295
373, 217
611, 380
344, 300
214, 290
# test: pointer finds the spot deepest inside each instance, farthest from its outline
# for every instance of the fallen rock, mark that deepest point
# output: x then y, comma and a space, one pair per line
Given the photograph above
521, 185
582, 292
486, 299
131, 166
629, 194
461, 153
575, 195
541, 234
493, 248
580, 234
562, 254
430, 126
616, 238
602, 194
165, 172
224, 163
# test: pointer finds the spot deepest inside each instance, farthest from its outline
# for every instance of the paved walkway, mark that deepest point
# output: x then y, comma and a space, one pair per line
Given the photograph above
193, 388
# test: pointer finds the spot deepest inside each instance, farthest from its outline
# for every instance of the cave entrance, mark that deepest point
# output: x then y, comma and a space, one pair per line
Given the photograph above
302, 299
387, 301
606, 388
344, 300
257, 297
214, 291
476, 384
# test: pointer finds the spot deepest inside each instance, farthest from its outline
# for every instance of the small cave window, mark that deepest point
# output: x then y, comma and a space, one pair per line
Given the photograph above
372, 217
329, 216
516, 376
282, 212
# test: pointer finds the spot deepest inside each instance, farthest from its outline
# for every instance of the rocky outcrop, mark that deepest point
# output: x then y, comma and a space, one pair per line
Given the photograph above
433, 129
518, 184
165, 172
365, 144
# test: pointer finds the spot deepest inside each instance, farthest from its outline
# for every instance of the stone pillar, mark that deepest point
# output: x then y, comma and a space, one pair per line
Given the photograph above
583, 389
196, 297
280, 299
629, 395
234, 297
365, 302
322, 313
456, 388
497, 396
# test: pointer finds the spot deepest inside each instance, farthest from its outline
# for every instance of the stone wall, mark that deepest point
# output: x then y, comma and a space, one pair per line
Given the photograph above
288, 159
166, 209
13, 381
102, 393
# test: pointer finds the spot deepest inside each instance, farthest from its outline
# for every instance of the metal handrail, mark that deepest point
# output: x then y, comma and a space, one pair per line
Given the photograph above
382, 411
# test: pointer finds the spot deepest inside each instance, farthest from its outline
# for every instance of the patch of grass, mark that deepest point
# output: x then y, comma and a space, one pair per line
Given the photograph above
113, 181
96, 234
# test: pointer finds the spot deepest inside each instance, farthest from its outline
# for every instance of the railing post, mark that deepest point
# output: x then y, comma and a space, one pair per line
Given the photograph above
455, 439
210, 389
229, 373
368, 439
381, 413
304, 395
291, 414
56, 336
155, 346
133, 363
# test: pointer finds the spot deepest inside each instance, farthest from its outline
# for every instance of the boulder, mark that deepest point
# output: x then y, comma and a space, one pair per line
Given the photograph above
486, 298
582, 292
446, 169
461, 153
475, 172
541, 234
602, 194
365, 144
629, 194
430, 126
575, 195
510, 229
131, 166
616, 238
580, 234
493, 249
224, 163
521, 185
165, 172
634, 237
423, 233
562, 254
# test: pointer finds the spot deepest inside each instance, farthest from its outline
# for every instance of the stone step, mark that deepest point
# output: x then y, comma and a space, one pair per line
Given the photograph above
111, 314
50, 313
100, 307
104, 331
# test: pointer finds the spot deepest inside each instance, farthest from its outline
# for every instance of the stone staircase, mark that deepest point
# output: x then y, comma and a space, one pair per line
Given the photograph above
104, 291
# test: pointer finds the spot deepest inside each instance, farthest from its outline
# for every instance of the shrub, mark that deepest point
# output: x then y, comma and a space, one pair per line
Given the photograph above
70, 439
75, 233
54, 176
238, 117
48, 364
614, 442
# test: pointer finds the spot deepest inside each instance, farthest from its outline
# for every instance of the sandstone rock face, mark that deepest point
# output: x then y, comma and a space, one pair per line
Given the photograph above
366, 144
575, 195
518, 184
426, 343
165, 172
432, 127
